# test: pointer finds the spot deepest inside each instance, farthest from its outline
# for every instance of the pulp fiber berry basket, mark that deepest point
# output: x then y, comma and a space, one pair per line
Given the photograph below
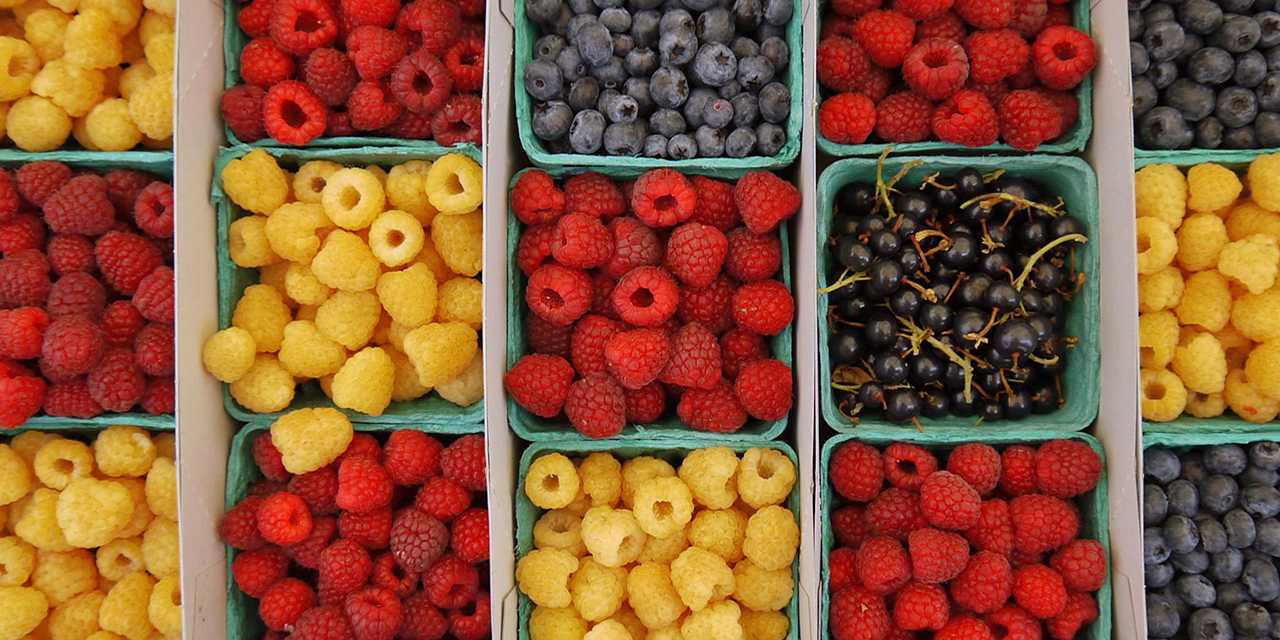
534, 428
159, 163
526, 34
429, 411
1073, 141
1092, 505
243, 622
673, 451
1070, 178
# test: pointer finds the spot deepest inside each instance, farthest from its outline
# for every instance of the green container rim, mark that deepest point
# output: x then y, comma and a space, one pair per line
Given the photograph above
243, 622
525, 36
431, 410
1073, 141
527, 514
1094, 505
1196, 438
535, 429
1083, 314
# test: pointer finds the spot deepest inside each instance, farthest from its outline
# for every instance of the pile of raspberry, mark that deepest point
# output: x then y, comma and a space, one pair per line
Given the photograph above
391, 539
334, 68
988, 546
966, 72
650, 294
86, 292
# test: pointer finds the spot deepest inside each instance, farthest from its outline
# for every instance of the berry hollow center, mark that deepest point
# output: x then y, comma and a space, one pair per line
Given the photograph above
422, 83
1064, 51
662, 509
292, 114
395, 237
1155, 391
552, 299
642, 298
664, 203
551, 483
307, 22
936, 59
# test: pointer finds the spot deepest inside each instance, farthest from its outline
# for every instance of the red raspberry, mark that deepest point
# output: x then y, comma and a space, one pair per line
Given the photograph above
1068, 108
159, 396
38, 180
70, 253
596, 406
850, 525
153, 210
907, 465
842, 569
392, 577
986, 14
947, 501
22, 332
947, 26
319, 489
1025, 78
307, 553
1063, 56
710, 306
646, 296
895, 512
21, 232
154, 296
715, 203
764, 200
420, 82
764, 307
985, 584
858, 614
284, 602
1067, 468
842, 64
994, 92
1029, 17
301, 26
432, 24
375, 51
602, 287
995, 55
330, 75
764, 389
1083, 565
535, 198
422, 621
344, 567
411, 457
559, 294
326, 622
362, 444
1042, 523
283, 518
241, 108
381, 13
964, 628
885, 36
539, 383
994, 530
1020, 558
854, 8
936, 68
966, 118
695, 358
534, 248
267, 457
71, 400
464, 462
635, 357
695, 253
121, 323
646, 404
473, 625
546, 338
835, 25
594, 194
153, 350
255, 18
634, 245
410, 126
978, 464
923, 9
663, 198
1018, 470
587, 345
375, 614
921, 607
239, 527
857, 472
255, 571
371, 529
263, 63
292, 114
1028, 118
80, 206
1058, 14
752, 256
1081, 609
465, 62
716, 410
883, 565
20, 398
451, 583
937, 556
737, 348
469, 537
903, 117
24, 279
1039, 590
372, 106
442, 498
1012, 623
581, 241
363, 485
115, 382
458, 122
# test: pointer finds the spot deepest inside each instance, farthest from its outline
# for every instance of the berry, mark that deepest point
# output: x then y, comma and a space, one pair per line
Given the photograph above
375, 51
442, 498
283, 603
850, 525
711, 306
646, 404
20, 398
1067, 468
986, 14
596, 406
1028, 118
858, 614
1029, 17
154, 296
936, 68
115, 382
420, 82
1082, 564
121, 322
159, 396
1039, 591
371, 106
239, 527
885, 36
432, 24
635, 357
547, 338
903, 117
559, 294
581, 241
947, 501
22, 332
947, 26
263, 63
241, 108
978, 464
469, 537
1014, 623
411, 457
716, 206
921, 607
923, 9
80, 206
153, 209
124, 186
458, 122
325, 622
842, 64
994, 529
696, 253
645, 296
995, 55
907, 465
463, 461
535, 198
857, 472
375, 614
634, 245
764, 307
371, 529
319, 489
752, 256
267, 457
847, 118
966, 118
883, 565
764, 200
1062, 57
985, 584
72, 400
587, 345
895, 512
854, 8
964, 628
716, 409
255, 571
344, 566
594, 194
36, 181
24, 279
465, 62
1082, 609
451, 583
283, 519
1018, 470
737, 348
422, 621
301, 26
534, 248
392, 577
1042, 523
936, 556
21, 232
764, 389
474, 625
330, 75
292, 114
363, 485
663, 198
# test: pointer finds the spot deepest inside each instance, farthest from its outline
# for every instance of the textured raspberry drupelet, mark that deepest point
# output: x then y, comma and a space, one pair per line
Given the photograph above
715, 203
1082, 564
20, 398
535, 198
1028, 118
267, 457
442, 498
469, 537
24, 279
850, 525
921, 607
764, 307
646, 404
153, 350
120, 323
154, 296
596, 406
69, 253
152, 209
374, 613
255, 571
540, 384
711, 306
1068, 108
634, 245
39, 180
937, 556
451, 583
463, 462
284, 602
1080, 610
907, 465
411, 457
765, 200
764, 388
857, 472
21, 232
535, 246
420, 82
696, 253
752, 256
966, 118
936, 68
1029, 17
985, 584
947, 501
465, 62
737, 348
372, 106
124, 259
964, 628
159, 397
895, 512
422, 620
947, 26
885, 36
986, 14
71, 400
22, 332
301, 26
283, 518
923, 9
263, 63
635, 357
458, 121
1013, 623
363, 485
344, 566
1018, 470
115, 382
547, 338
9, 197
646, 296
1042, 523
319, 489
241, 108
995, 55
381, 13
716, 409
375, 51
292, 114
239, 527
1067, 468
883, 565
847, 118
978, 464
994, 529
854, 8
587, 347
80, 206
371, 529
594, 194
1062, 57
433, 25
858, 614
581, 241
695, 358
663, 198
842, 64
473, 625
330, 75
392, 577
903, 117
327, 622
1039, 591
559, 294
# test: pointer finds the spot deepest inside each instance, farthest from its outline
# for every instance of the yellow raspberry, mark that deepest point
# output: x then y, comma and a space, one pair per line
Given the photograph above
124, 611
345, 262
307, 353
720, 531
293, 230
133, 78
552, 481
613, 536
17, 561
455, 184
406, 190
1246, 401
764, 625
543, 576
559, 529
608, 630
1160, 290
406, 385
396, 238
108, 126
364, 382
37, 124
105, 635
304, 287
349, 318
556, 623
711, 476
153, 23
719, 620
310, 438
165, 7
630, 621
601, 476
663, 506
639, 470
255, 182
37, 522
165, 444
24, 608
46, 30
159, 51
765, 477
461, 300
352, 198
151, 106
773, 537
1263, 369
432, 259
466, 388
62, 460
1247, 219
229, 354
1201, 363
653, 597
119, 558
1161, 192
142, 515
1203, 405
1257, 315
1252, 261
311, 178
761, 589
664, 550
15, 477
28, 443
91, 41
1211, 187
162, 488
1264, 181
1163, 395
1200, 238
1156, 245
273, 275
77, 617
409, 296
701, 577
459, 239
124, 452
75, 89
247, 242
160, 548
124, 13
263, 313
266, 387
396, 333
440, 350
597, 590
669, 632
164, 608
1206, 301
20, 65
92, 512
1157, 338
63, 575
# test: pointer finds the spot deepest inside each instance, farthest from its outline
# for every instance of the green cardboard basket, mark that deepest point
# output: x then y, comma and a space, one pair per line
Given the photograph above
429, 411
527, 34
672, 451
234, 40
1070, 177
536, 429
1093, 505
243, 622
1073, 141
157, 162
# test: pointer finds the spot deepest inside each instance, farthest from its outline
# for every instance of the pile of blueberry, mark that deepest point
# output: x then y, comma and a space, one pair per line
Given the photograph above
1206, 73
673, 79
950, 299
1211, 540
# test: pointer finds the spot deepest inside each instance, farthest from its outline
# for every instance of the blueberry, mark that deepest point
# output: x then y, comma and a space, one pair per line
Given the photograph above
1163, 40
747, 14
616, 19
551, 119
778, 12
668, 87
1265, 455
1218, 493
1184, 498
621, 109
1190, 44
1162, 74
1241, 531
587, 131
1269, 92
1154, 548
744, 47
1200, 16
714, 65
746, 110
677, 47
1256, 475
740, 143
1162, 617
1237, 6
584, 7
1195, 590
607, 96
667, 122
583, 93
1192, 99
1260, 501
1230, 595
699, 5
643, 5
1213, 536
1251, 69
1194, 562
560, 26
1237, 34
543, 11
1209, 624
543, 80
622, 44
1159, 12
729, 90
1209, 133
624, 138
769, 138
640, 61
1236, 107
676, 20
610, 74
1268, 540
578, 22
1180, 533
717, 113
548, 47
775, 102
644, 28
638, 89
1211, 65
1139, 62
1240, 138
777, 51
682, 147
754, 73
715, 25
1267, 126
1250, 619
655, 146
1155, 504
609, 4
710, 141
1261, 580
1226, 565
1136, 24
1159, 575
1230, 459
694, 105
1161, 464
571, 65
1269, 22
595, 43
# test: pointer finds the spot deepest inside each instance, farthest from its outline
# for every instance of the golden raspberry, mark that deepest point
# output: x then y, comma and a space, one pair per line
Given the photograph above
466, 388
151, 107
119, 558
1211, 187
409, 296
307, 353
159, 52
153, 24
455, 184
764, 625
263, 313
125, 609
773, 537
459, 239
653, 597
1206, 301
1163, 395
77, 617
45, 30
124, 13
37, 521
255, 182
612, 536
608, 630
352, 198
662, 506
345, 262
432, 259
349, 318
293, 230
1203, 405
304, 287
441, 350
630, 621
141, 510
311, 178
266, 387
762, 589
310, 438
562, 623
1246, 401
765, 477
61, 460
91, 41
601, 475
461, 300
1161, 192
165, 7
1157, 338
92, 512
132, 78
664, 550
20, 65
552, 481
273, 275
165, 443
720, 531
559, 529
37, 124
76, 89
247, 242
15, 477
1160, 290
701, 578
1156, 245
1263, 369
1257, 315
639, 470
406, 190
719, 620
597, 590
25, 609
395, 237
1264, 181
17, 561
543, 575
1247, 218
124, 452
229, 354
108, 127
1200, 238
63, 575
711, 475
365, 381
1251, 261
28, 443
406, 385
160, 548
1201, 363
164, 608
